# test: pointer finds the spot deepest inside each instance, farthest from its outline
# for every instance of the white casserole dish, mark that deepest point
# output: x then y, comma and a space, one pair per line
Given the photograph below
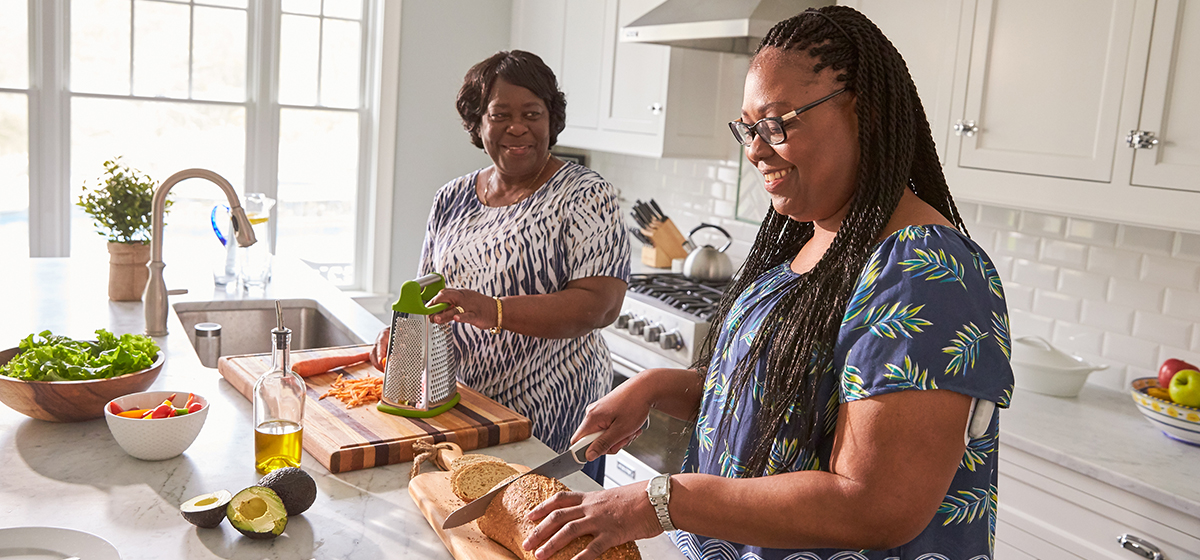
1040, 367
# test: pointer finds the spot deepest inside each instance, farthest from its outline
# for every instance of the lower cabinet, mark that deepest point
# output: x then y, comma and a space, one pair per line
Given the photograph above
1049, 512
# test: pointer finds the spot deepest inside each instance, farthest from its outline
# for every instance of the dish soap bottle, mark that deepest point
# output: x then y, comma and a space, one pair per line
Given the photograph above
279, 398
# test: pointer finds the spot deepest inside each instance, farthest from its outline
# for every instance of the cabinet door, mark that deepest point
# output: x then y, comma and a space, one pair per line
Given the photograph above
926, 34
1169, 107
1044, 86
637, 85
537, 27
582, 61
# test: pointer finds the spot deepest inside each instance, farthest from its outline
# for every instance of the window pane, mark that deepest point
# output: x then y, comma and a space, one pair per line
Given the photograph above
160, 49
298, 56
219, 54
340, 65
100, 46
349, 9
310, 7
158, 138
14, 43
318, 190
14, 175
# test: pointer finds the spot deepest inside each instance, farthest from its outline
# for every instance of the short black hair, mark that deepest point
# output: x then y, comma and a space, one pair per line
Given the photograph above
519, 68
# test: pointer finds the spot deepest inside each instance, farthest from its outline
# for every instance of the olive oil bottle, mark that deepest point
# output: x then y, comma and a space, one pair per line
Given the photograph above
278, 406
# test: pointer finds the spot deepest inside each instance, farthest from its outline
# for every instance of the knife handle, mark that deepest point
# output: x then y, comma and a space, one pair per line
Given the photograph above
579, 449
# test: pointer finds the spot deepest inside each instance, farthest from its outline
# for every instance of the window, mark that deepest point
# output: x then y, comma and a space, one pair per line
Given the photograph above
269, 94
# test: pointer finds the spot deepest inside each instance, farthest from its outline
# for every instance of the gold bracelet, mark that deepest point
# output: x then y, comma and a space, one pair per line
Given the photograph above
499, 317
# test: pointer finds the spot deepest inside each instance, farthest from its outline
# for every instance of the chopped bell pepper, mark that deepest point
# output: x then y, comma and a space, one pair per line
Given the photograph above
115, 408
194, 407
137, 413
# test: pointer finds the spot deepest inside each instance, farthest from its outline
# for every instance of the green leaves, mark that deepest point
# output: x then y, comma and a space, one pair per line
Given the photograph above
936, 266
894, 321
48, 357
964, 348
121, 206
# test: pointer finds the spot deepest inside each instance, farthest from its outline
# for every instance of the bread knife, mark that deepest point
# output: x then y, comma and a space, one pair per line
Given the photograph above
570, 461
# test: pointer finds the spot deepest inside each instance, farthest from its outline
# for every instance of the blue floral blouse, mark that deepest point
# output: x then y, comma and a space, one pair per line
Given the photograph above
928, 312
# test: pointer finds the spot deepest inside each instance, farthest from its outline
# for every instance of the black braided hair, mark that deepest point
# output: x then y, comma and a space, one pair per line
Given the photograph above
797, 337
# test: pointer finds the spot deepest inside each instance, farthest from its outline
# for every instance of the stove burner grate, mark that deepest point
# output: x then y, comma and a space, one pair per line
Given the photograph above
691, 296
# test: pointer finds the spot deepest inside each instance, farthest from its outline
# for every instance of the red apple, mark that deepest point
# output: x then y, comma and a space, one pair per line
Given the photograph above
1168, 369
1185, 387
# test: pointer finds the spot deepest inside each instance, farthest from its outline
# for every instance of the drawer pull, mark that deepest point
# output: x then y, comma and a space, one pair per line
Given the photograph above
1143, 548
628, 470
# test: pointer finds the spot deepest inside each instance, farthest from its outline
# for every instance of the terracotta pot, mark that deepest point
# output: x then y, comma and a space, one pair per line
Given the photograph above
127, 272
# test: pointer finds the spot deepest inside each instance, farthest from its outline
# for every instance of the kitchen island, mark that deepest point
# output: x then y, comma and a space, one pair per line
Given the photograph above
75, 475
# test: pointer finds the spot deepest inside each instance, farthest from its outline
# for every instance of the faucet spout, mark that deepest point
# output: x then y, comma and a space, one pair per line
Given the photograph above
155, 299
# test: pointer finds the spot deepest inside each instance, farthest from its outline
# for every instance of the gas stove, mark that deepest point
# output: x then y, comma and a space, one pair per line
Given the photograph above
663, 320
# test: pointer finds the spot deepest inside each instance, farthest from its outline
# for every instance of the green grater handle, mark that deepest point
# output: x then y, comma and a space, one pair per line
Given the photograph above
415, 293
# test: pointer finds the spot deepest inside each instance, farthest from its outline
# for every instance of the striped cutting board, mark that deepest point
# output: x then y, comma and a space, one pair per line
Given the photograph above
358, 438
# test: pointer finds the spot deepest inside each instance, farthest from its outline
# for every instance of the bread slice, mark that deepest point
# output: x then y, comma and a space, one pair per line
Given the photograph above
476, 479
471, 458
506, 524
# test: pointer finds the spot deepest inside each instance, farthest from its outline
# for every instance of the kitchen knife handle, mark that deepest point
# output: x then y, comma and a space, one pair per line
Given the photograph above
579, 449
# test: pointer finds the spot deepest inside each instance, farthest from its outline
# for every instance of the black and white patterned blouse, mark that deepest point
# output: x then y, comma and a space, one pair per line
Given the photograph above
570, 228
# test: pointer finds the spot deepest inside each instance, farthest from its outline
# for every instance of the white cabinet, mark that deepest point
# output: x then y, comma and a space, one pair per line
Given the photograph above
631, 98
1049, 512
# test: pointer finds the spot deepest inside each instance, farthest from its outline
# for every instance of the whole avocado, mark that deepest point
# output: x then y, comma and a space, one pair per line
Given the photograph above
295, 487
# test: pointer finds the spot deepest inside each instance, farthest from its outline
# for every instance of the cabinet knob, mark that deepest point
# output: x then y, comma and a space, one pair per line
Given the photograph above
1141, 139
966, 128
1140, 546
656, 109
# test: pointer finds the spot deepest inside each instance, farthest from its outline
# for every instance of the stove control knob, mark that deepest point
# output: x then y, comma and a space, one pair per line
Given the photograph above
636, 326
670, 341
652, 332
623, 320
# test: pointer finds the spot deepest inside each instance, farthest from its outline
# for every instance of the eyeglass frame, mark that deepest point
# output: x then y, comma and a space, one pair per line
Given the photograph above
752, 130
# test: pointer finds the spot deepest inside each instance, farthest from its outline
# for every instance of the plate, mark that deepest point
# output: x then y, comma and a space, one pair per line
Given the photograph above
53, 543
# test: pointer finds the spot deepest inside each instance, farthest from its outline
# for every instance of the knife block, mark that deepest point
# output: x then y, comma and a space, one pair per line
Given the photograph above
667, 239
655, 257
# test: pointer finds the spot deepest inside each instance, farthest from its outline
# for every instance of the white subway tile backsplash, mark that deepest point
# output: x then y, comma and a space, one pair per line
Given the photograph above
717, 190
1042, 225
1018, 296
1004, 265
1132, 351
1082, 284
1174, 273
1092, 232
723, 208
1189, 246
1066, 253
731, 192
1035, 274
1114, 262
1146, 240
1024, 323
1078, 339
969, 211
727, 174
1111, 378
984, 236
1138, 295
1184, 304
1057, 306
1106, 316
1132, 373
1017, 244
1195, 339
1000, 218
1162, 329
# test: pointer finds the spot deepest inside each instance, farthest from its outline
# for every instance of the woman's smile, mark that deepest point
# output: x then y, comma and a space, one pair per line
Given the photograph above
773, 179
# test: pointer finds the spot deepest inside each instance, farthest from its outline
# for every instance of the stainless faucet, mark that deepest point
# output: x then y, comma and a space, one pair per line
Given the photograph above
156, 290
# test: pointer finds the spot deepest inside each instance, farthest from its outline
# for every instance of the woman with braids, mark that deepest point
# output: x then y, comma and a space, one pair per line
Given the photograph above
846, 400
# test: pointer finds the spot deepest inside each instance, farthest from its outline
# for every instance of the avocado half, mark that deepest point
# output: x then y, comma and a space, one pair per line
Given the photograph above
257, 512
206, 510
295, 487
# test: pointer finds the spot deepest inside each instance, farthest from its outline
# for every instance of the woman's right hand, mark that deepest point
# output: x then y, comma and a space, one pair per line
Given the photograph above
379, 351
621, 412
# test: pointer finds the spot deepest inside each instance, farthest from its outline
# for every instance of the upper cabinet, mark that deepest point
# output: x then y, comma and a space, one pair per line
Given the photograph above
630, 98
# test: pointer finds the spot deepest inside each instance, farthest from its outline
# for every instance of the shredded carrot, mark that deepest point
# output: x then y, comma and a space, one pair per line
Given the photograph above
356, 392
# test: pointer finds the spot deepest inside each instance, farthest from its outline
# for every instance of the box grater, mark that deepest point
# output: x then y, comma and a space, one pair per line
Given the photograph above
421, 375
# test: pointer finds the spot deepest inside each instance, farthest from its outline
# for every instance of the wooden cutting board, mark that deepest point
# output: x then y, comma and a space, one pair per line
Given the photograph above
358, 438
431, 491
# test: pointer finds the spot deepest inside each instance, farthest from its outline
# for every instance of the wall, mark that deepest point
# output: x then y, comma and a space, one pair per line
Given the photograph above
440, 41
1115, 294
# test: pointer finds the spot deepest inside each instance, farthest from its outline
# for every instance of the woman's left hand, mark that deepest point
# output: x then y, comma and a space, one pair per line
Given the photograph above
612, 517
466, 306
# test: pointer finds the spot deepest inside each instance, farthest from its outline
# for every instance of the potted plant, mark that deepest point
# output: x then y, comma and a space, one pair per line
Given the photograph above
120, 207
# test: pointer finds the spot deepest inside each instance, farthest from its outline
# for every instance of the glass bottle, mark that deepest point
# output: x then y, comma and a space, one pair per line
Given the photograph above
279, 398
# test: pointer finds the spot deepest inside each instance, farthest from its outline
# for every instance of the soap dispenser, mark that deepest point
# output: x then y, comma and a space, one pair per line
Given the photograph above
279, 396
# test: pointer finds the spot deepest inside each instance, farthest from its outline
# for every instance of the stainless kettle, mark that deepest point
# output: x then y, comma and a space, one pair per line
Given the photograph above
707, 263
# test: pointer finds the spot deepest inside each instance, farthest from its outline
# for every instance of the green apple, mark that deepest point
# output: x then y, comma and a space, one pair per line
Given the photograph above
1185, 387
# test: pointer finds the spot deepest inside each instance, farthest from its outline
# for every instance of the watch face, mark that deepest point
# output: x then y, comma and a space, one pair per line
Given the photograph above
658, 486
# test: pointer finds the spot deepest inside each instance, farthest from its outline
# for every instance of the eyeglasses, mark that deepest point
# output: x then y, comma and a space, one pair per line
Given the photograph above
771, 128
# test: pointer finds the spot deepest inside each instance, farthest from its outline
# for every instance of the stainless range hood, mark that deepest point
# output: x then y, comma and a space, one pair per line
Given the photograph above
713, 25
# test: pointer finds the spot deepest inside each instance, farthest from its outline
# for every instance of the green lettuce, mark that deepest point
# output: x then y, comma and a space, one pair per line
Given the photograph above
48, 357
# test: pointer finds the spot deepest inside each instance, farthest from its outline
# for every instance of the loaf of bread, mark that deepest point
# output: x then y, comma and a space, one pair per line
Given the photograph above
465, 460
477, 478
506, 524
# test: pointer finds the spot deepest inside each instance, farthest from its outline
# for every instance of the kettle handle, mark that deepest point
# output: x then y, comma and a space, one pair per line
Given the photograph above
729, 238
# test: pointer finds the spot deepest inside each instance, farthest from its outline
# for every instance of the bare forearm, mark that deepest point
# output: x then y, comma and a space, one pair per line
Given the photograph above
676, 392
568, 313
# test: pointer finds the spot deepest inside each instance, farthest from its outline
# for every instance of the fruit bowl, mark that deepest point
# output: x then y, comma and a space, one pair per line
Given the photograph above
1177, 421
71, 401
155, 439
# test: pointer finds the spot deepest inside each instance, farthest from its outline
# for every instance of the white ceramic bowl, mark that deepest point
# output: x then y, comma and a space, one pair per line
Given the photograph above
1040, 367
155, 440
1175, 420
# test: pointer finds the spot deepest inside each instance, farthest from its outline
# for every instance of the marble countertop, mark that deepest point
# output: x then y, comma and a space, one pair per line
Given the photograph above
76, 476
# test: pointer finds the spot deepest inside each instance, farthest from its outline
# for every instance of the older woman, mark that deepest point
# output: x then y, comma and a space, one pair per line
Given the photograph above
533, 251
865, 330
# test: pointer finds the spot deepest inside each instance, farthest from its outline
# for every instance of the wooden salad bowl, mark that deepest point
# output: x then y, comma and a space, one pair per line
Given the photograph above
71, 401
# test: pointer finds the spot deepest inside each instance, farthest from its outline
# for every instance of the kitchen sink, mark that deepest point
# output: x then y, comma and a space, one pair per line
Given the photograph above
246, 324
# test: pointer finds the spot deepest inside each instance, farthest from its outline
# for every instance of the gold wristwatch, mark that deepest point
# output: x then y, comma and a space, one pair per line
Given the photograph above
659, 491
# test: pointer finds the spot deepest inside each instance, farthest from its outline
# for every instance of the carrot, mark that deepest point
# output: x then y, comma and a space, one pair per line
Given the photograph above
314, 366
355, 392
